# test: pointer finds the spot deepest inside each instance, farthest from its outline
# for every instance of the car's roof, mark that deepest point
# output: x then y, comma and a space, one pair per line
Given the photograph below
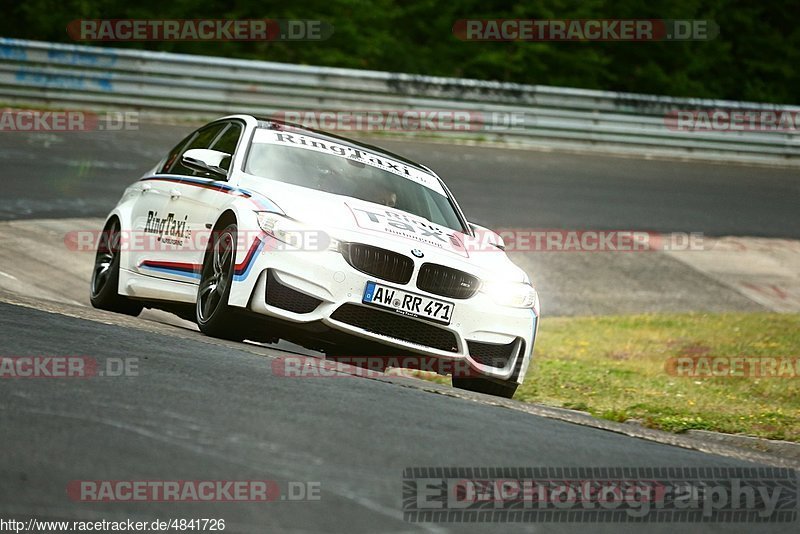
279, 124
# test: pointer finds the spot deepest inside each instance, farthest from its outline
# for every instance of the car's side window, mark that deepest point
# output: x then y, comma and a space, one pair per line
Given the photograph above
175, 152
203, 138
227, 142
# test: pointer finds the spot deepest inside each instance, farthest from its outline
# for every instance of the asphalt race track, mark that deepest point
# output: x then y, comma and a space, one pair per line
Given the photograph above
85, 172
205, 409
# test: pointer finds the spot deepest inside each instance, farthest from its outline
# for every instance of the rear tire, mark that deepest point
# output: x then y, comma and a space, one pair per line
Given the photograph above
104, 292
213, 315
505, 389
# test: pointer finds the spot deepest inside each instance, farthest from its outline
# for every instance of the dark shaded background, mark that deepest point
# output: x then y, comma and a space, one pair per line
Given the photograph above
754, 57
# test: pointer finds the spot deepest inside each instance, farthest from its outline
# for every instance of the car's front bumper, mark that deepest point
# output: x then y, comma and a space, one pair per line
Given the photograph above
489, 337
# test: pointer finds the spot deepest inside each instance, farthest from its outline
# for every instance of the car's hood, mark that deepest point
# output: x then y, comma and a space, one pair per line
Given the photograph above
351, 219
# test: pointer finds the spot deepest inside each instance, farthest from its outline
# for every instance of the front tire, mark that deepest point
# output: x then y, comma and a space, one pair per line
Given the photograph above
104, 293
213, 315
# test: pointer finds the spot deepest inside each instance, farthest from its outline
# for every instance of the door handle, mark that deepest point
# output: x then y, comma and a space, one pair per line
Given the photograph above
146, 188
174, 194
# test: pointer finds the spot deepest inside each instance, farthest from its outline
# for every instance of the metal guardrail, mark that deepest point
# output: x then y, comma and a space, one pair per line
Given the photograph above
33, 72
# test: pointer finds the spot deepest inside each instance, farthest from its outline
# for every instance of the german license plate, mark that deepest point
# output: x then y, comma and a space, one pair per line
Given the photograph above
406, 303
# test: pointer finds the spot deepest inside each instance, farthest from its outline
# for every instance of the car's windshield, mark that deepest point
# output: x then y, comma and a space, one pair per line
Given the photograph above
323, 165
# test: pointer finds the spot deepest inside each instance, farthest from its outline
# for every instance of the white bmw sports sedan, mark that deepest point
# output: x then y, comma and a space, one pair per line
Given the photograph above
262, 230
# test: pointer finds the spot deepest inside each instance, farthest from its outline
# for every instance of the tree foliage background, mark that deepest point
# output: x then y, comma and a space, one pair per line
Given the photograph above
755, 57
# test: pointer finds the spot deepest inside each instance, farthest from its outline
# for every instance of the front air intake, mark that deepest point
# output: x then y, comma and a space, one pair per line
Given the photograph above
289, 299
491, 354
396, 326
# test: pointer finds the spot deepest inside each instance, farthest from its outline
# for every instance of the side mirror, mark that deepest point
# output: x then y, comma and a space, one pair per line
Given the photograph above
487, 236
205, 160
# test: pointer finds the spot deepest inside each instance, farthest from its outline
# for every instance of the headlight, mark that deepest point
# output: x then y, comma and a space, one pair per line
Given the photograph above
513, 294
275, 225
334, 245
294, 234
